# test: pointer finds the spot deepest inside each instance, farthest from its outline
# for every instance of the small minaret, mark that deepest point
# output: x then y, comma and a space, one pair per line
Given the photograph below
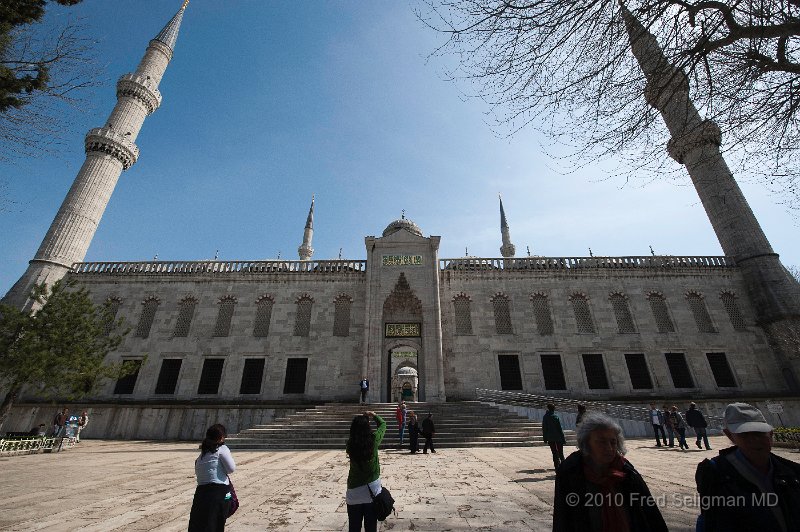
109, 150
305, 250
507, 250
695, 143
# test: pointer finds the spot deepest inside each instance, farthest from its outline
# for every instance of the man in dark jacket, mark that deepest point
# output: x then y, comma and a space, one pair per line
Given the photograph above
747, 487
695, 419
428, 430
553, 434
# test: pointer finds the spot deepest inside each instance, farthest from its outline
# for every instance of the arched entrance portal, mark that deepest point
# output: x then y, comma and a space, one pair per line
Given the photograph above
404, 376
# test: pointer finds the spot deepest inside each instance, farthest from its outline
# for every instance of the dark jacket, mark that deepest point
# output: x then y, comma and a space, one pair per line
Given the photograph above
551, 429
427, 427
583, 517
719, 478
695, 419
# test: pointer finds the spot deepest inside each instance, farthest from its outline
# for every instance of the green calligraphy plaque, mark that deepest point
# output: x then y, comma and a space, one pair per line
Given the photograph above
402, 260
402, 330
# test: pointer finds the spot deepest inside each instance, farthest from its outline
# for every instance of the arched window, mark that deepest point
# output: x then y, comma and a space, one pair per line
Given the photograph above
583, 315
224, 316
302, 322
701, 316
462, 307
622, 312
341, 315
185, 314
541, 313
502, 314
732, 307
263, 316
660, 313
149, 307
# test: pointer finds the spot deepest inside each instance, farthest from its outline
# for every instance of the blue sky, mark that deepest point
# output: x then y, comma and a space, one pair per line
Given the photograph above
266, 103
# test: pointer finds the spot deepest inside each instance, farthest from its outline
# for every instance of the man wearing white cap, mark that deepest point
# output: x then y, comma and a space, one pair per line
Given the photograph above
747, 487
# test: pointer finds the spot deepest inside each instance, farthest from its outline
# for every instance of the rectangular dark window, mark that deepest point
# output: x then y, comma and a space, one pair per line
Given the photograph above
679, 370
637, 369
510, 376
210, 376
596, 376
295, 375
553, 372
251, 376
168, 376
126, 384
721, 370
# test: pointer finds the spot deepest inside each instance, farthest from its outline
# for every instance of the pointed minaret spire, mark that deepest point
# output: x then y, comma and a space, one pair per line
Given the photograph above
507, 250
695, 143
305, 250
109, 150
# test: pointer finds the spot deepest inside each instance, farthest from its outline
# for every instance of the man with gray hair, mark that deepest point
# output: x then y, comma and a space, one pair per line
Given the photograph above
747, 487
597, 489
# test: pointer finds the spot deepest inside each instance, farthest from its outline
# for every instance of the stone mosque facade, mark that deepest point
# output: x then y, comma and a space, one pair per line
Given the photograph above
240, 334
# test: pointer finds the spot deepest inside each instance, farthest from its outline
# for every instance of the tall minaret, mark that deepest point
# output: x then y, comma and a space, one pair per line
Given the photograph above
695, 143
508, 249
109, 150
305, 250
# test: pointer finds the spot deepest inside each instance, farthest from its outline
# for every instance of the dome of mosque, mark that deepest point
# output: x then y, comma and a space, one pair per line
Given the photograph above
402, 223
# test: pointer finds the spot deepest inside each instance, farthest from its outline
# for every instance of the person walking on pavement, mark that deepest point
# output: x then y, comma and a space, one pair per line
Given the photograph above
695, 419
401, 414
657, 420
59, 421
364, 387
82, 422
680, 426
428, 430
581, 414
553, 434
668, 425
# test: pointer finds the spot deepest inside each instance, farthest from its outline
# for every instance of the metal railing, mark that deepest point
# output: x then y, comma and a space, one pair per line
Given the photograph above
220, 267
577, 263
28, 445
564, 404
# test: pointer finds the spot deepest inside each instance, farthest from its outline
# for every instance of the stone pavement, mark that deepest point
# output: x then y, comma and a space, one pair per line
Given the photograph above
111, 485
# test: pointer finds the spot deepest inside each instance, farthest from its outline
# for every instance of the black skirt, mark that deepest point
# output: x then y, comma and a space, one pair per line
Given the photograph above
209, 508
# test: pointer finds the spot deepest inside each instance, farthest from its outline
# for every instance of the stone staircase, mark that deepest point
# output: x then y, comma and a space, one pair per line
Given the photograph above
458, 424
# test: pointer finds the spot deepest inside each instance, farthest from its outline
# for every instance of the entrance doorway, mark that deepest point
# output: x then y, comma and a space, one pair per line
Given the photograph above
404, 374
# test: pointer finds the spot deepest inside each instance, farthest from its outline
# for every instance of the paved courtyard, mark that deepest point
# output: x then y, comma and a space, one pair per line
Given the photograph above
110, 485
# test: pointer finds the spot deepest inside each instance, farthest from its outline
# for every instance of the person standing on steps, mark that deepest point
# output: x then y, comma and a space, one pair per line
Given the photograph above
553, 434
413, 432
400, 414
428, 430
364, 387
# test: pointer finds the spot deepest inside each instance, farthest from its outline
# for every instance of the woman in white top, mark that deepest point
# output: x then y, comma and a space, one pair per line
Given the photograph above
212, 498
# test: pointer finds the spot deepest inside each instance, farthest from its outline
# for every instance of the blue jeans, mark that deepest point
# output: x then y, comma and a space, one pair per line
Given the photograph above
402, 432
358, 512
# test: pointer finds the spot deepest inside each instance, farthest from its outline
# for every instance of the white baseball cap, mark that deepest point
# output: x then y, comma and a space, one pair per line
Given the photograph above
741, 417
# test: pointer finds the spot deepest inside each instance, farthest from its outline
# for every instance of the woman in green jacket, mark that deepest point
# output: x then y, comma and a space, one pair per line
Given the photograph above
364, 479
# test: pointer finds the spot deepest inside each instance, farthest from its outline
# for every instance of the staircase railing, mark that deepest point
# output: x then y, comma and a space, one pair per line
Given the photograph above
565, 404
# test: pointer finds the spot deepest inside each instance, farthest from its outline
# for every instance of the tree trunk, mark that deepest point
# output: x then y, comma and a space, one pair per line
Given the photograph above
8, 402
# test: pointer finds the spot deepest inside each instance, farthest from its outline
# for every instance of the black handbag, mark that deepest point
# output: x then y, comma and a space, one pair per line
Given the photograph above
383, 503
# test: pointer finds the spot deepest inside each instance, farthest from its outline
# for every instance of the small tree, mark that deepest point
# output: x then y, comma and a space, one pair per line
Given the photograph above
59, 350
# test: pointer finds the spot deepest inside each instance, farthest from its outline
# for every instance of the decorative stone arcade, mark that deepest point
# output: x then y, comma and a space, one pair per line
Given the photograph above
403, 313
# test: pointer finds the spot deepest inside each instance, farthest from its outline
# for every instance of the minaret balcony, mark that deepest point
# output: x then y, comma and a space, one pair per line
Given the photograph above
106, 140
140, 87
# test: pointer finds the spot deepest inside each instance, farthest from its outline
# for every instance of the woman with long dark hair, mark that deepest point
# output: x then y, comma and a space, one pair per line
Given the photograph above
364, 479
212, 498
